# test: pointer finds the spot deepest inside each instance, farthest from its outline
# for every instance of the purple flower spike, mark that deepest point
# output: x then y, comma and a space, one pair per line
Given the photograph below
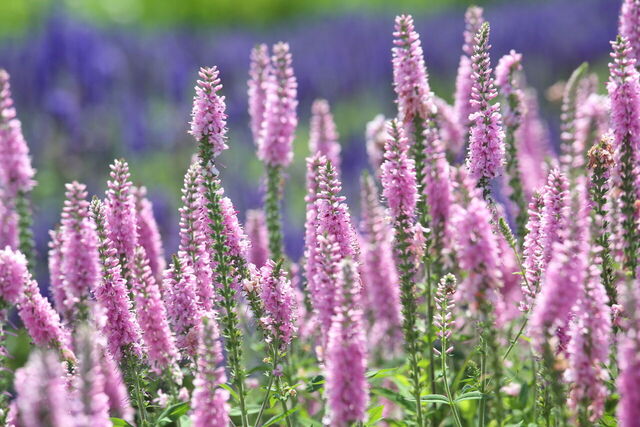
259, 75
148, 233
398, 174
324, 136
256, 227
629, 26
208, 117
279, 303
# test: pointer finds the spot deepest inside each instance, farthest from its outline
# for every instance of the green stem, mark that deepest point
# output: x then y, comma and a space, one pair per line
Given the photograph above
272, 376
272, 211
25, 234
483, 372
447, 389
134, 374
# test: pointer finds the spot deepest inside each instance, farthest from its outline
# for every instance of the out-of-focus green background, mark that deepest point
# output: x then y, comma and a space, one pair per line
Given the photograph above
98, 79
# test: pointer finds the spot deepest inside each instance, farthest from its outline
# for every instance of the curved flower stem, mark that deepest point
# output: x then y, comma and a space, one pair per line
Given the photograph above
274, 364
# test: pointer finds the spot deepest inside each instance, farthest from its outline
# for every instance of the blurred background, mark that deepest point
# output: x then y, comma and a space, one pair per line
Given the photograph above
99, 79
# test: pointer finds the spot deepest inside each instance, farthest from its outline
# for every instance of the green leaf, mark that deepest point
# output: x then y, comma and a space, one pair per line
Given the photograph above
172, 413
375, 415
434, 398
230, 390
396, 397
251, 409
381, 373
119, 422
282, 416
471, 395
316, 383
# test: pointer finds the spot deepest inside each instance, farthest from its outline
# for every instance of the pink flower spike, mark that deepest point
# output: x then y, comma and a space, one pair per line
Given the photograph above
208, 117
121, 215
152, 316
256, 227
210, 400
148, 233
486, 143
376, 137
629, 26
347, 389
398, 174
16, 173
323, 137
280, 118
185, 315
55, 271
279, 302
42, 395
90, 384
259, 75
79, 269
13, 275
410, 79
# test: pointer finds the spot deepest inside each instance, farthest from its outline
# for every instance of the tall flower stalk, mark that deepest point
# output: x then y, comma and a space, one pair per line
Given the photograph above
624, 92
208, 127
276, 138
486, 144
508, 82
400, 191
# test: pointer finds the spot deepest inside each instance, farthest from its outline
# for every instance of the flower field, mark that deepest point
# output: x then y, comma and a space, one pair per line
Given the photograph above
488, 278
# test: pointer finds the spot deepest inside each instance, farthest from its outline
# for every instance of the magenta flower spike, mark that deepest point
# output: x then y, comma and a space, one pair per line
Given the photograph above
346, 358
486, 141
398, 174
114, 386
90, 382
8, 223
56, 278
79, 268
532, 253
260, 71
42, 395
323, 137
628, 381
554, 219
376, 136
591, 338
185, 315
629, 26
533, 146
410, 79
564, 277
314, 164
152, 316
148, 232
624, 93
280, 118
280, 303
464, 82
16, 173
210, 400
507, 66
192, 250
13, 275
478, 253
121, 329
323, 292
121, 219
208, 117
256, 228
379, 273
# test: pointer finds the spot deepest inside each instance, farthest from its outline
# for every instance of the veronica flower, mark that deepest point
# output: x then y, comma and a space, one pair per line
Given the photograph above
532, 253
464, 82
8, 222
192, 250
451, 133
379, 273
183, 310
148, 233
113, 386
589, 349
210, 407
208, 117
260, 71
410, 79
398, 174
629, 26
376, 137
314, 164
56, 279
280, 303
94, 402
42, 396
554, 219
121, 328
486, 144
79, 268
152, 315
280, 119
121, 215
326, 272
347, 389
624, 92
16, 173
628, 381
257, 233
13, 275
323, 136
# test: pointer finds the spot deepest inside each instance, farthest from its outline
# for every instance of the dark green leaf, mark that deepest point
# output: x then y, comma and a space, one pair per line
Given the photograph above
277, 418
